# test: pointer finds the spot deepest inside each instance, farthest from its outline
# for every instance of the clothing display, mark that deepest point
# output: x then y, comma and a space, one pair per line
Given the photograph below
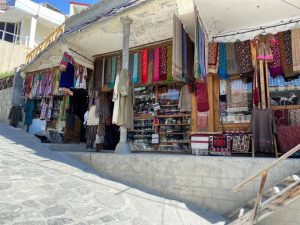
29, 110
240, 142
135, 68
163, 63
262, 123
91, 131
275, 66
15, 115
231, 61
220, 144
244, 58
156, 66
213, 57
144, 66
200, 53
295, 36
263, 46
177, 49
150, 66
286, 56
202, 97
185, 100
222, 71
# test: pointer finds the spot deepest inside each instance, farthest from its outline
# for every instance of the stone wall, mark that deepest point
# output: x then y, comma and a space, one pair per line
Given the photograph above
5, 104
206, 182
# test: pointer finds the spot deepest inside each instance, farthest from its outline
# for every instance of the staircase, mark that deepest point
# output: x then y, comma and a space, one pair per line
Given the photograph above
267, 201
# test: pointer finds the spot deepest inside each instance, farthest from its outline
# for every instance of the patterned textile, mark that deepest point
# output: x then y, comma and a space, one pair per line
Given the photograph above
163, 63
263, 47
275, 66
294, 117
202, 97
140, 67
231, 63
236, 94
288, 137
220, 144
49, 85
244, 58
169, 62
296, 49
150, 66
281, 117
286, 57
156, 66
222, 62
202, 120
177, 49
213, 57
144, 66
64, 61
240, 142
135, 76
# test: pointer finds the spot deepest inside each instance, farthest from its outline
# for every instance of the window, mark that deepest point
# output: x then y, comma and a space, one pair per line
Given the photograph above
10, 29
2, 27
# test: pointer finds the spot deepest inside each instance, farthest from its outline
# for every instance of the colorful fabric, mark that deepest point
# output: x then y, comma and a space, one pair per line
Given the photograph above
64, 61
288, 137
113, 72
163, 63
263, 47
296, 49
135, 76
244, 59
231, 62
169, 62
200, 45
56, 82
202, 97
213, 57
281, 117
237, 94
140, 67
286, 56
177, 49
240, 142
219, 143
294, 117
144, 66
156, 65
50, 84
184, 55
67, 77
275, 66
150, 66
64, 108
222, 64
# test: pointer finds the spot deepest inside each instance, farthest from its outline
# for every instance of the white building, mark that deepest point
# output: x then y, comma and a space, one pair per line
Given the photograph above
77, 7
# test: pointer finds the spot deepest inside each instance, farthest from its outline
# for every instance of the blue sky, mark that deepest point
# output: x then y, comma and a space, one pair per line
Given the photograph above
63, 5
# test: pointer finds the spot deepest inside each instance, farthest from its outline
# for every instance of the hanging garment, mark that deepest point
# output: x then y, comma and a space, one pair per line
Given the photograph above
93, 117
156, 65
255, 89
15, 115
288, 137
144, 66
190, 60
163, 63
140, 67
263, 47
98, 75
184, 55
177, 49
262, 124
36, 86
244, 59
231, 62
222, 64
296, 49
150, 66
29, 111
50, 84
113, 72
169, 63
135, 68
67, 77
64, 62
275, 66
102, 108
202, 97
213, 57
56, 82
90, 135
119, 64
108, 74
131, 64
64, 108
286, 56
253, 51
200, 53
185, 99
123, 101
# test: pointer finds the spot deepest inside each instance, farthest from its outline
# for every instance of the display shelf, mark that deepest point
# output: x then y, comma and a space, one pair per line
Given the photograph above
180, 124
174, 115
143, 131
281, 107
166, 142
143, 118
173, 133
169, 105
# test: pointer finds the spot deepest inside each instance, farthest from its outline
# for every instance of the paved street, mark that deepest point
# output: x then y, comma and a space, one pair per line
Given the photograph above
41, 187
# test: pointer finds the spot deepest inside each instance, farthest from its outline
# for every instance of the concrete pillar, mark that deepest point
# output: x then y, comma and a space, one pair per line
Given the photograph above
123, 147
32, 31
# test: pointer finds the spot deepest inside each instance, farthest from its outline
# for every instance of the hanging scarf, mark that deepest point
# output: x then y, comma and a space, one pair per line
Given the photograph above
140, 67
286, 56
222, 64
190, 60
144, 66
169, 62
131, 64
296, 49
213, 57
231, 63
135, 76
200, 63
113, 72
275, 66
50, 84
56, 82
177, 51
184, 55
156, 65
108, 73
244, 58
150, 66
202, 97
163, 63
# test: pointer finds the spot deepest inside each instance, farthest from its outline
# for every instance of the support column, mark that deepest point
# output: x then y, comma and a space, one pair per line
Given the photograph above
32, 31
123, 147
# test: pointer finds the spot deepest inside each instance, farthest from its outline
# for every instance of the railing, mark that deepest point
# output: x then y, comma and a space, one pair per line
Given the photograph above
42, 46
13, 38
264, 174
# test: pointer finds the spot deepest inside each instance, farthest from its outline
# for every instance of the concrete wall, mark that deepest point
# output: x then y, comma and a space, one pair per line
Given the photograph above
206, 182
41, 33
5, 104
11, 55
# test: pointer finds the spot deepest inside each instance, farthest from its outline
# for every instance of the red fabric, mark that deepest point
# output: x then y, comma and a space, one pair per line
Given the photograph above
288, 137
144, 66
163, 63
281, 117
202, 97
156, 65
